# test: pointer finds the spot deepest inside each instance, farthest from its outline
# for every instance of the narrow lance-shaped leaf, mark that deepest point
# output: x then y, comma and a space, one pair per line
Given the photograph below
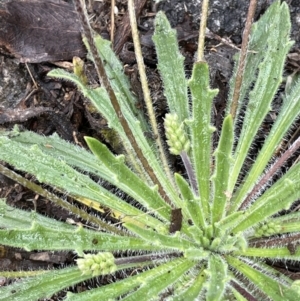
118, 80
259, 32
278, 197
116, 289
287, 115
134, 118
190, 202
278, 253
121, 174
201, 130
113, 171
56, 147
230, 221
39, 237
56, 172
101, 101
14, 218
221, 176
151, 289
161, 240
171, 67
136, 122
104, 106
217, 270
42, 286
37, 232
273, 288
194, 289
267, 83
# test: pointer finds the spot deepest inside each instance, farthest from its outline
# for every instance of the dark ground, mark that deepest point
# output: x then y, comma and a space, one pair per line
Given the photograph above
56, 106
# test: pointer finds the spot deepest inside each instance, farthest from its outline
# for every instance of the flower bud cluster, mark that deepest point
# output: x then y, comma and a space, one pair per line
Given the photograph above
267, 229
97, 264
176, 136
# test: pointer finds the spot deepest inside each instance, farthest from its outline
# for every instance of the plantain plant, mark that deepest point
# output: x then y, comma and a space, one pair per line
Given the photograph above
203, 235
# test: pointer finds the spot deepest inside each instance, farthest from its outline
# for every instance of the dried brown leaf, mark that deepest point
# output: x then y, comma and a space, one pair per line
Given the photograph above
37, 31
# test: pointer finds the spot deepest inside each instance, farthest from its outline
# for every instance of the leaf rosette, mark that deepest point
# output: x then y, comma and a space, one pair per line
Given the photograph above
204, 236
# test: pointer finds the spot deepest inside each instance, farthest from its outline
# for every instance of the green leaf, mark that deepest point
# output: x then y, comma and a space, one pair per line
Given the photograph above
278, 197
273, 288
201, 130
58, 173
127, 102
280, 253
259, 33
214, 254
190, 202
223, 162
287, 115
101, 101
119, 81
217, 271
230, 221
35, 232
14, 218
117, 289
136, 121
42, 286
78, 157
195, 287
163, 241
171, 68
151, 289
277, 45
121, 175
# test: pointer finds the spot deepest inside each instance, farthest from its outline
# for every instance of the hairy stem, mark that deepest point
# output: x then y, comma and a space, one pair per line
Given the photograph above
80, 8
267, 242
145, 88
243, 291
242, 60
145, 258
201, 40
190, 171
112, 21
